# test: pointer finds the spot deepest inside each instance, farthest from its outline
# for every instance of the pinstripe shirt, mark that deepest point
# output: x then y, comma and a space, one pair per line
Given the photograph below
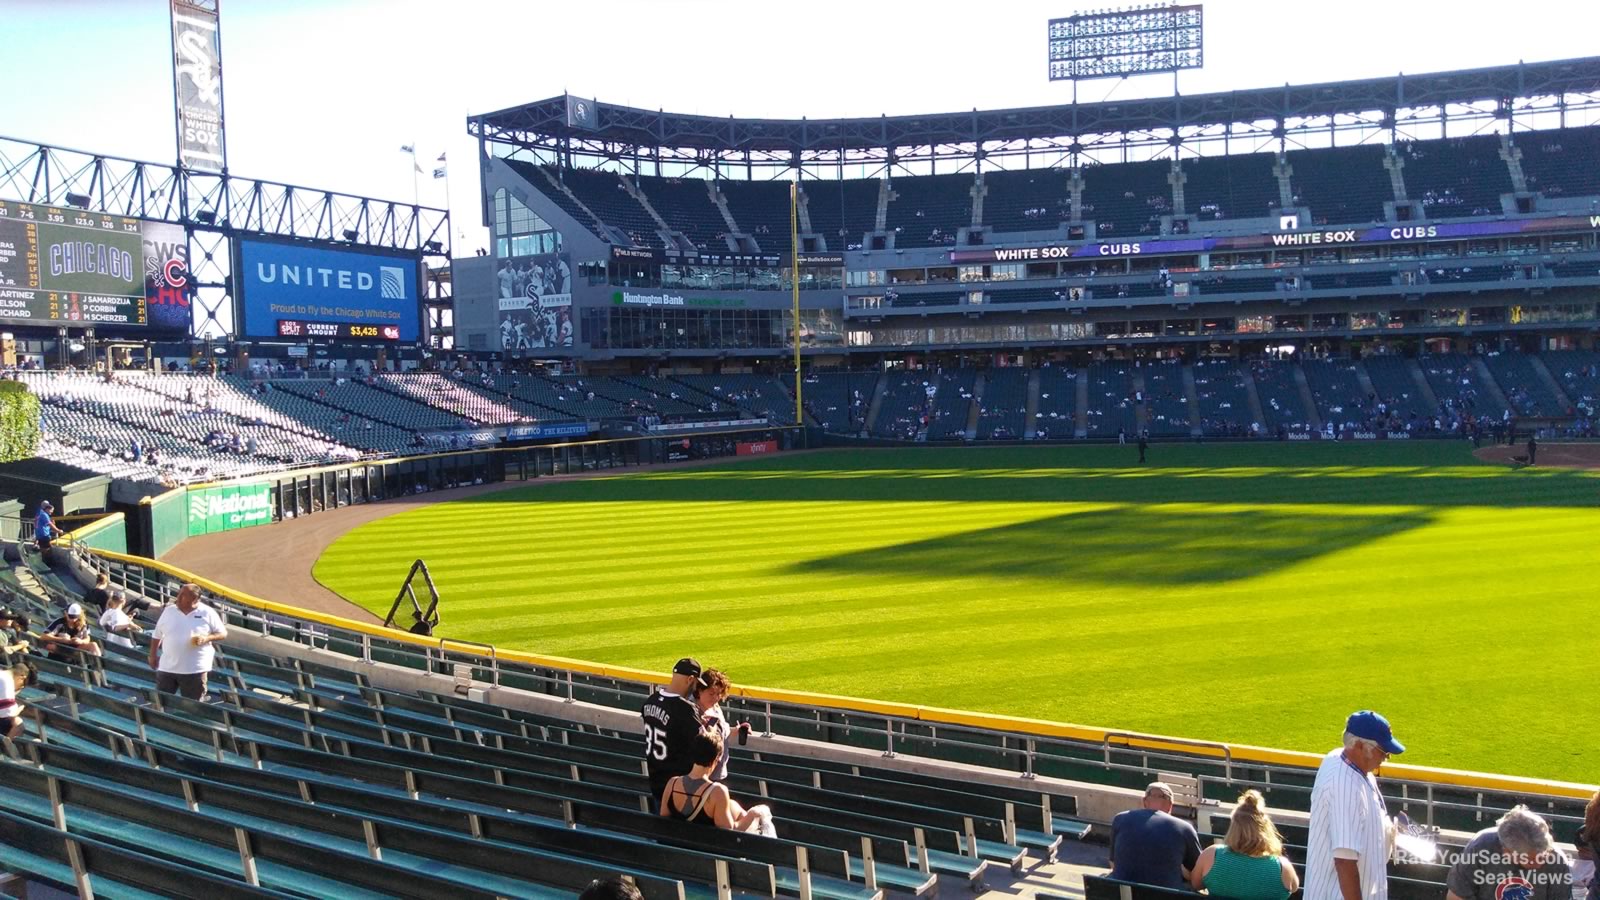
1347, 814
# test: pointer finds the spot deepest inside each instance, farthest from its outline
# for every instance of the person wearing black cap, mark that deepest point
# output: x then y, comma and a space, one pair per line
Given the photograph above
1348, 848
13, 637
671, 722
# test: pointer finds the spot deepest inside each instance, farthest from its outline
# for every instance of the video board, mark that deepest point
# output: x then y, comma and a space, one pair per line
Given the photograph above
298, 290
75, 267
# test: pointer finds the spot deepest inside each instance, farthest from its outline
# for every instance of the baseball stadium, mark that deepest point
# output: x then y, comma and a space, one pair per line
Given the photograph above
964, 480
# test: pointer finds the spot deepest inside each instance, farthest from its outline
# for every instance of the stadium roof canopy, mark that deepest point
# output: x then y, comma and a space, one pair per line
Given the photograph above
1391, 102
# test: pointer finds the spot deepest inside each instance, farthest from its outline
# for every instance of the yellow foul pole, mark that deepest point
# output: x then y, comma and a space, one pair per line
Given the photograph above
794, 278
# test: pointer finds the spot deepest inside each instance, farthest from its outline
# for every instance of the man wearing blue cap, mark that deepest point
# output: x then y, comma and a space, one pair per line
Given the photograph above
1348, 850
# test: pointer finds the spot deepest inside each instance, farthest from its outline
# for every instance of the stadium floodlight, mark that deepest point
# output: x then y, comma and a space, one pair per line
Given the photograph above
1118, 43
81, 201
350, 234
206, 216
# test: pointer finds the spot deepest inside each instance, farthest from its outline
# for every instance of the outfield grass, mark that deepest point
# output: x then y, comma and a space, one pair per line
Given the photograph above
1244, 593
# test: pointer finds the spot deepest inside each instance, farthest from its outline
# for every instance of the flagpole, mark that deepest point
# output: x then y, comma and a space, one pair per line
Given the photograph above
415, 201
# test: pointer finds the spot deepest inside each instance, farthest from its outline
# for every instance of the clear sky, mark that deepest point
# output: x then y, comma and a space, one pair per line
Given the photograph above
323, 93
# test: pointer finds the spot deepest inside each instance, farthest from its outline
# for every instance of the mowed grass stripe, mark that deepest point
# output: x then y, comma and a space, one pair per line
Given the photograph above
1250, 593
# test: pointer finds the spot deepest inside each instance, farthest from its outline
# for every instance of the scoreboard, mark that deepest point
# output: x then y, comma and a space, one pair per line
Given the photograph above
355, 331
71, 266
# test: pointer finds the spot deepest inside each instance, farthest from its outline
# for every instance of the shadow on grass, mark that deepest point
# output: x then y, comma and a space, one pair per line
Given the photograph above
1441, 486
1134, 545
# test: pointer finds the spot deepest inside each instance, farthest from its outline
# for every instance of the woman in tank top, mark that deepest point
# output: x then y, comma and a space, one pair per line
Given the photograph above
696, 798
1249, 864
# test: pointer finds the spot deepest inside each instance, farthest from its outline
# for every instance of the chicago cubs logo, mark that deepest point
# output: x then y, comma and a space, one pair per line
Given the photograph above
1514, 888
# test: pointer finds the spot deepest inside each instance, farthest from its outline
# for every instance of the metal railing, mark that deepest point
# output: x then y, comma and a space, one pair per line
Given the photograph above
1119, 758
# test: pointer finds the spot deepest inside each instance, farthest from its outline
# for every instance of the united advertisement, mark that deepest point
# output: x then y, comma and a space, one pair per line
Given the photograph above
535, 302
298, 291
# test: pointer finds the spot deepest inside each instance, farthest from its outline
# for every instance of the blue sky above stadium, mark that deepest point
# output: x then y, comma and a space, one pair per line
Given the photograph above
324, 93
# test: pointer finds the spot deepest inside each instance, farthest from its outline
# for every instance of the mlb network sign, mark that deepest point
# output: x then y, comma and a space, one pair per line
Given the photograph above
311, 284
226, 508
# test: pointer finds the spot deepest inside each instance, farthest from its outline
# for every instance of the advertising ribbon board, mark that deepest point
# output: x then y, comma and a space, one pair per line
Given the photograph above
214, 509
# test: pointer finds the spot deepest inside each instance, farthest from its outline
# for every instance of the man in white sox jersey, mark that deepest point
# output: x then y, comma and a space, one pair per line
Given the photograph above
1347, 854
671, 722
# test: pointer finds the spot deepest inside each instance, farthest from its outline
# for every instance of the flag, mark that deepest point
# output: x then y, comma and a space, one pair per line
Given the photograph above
417, 167
439, 172
408, 148
441, 158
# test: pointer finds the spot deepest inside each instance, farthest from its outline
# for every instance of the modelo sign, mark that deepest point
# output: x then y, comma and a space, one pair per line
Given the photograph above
356, 292
214, 509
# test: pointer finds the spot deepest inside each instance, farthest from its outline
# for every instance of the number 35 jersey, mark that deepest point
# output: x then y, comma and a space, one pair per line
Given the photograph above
671, 722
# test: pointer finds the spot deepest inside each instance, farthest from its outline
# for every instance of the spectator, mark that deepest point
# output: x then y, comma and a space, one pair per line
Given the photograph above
1516, 858
1588, 845
712, 690
670, 725
1249, 865
610, 889
1150, 845
97, 596
12, 680
1349, 842
44, 526
68, 636
13, 637
116, 623
181, 649
694, 797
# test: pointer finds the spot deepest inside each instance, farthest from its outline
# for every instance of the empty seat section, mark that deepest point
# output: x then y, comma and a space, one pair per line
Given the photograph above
1166, 402
1456, 177
1002, 415
571, 396
1525, 390
605, 194
1395, 382
761, 210
1341, 185
1057, 415
534, 175
907, 402
839, 401
1578, 373
362, 402
686, 206
459, 397
1127, 199
926, 210
1223, 398
1459, 389
1336, 389
952, 404
1237, 186
842, 212
1026, 200
1562, 163
1279, 392
764, 395
1112, 408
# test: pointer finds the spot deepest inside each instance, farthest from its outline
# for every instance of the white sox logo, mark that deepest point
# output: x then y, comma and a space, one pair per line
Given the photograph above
197, 66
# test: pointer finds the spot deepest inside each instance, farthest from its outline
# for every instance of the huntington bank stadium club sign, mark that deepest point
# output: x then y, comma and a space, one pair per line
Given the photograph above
1285, 239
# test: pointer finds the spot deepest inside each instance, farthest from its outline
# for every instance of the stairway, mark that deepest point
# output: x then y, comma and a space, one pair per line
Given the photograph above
1080, 424
1192, 394
1030, 427
637, 194
879, 389
975, 405
1550, 382
1363, 379
1424, 389
1250, 391
598, 226
721, 203
1141, 410
1482, 368
1307, 398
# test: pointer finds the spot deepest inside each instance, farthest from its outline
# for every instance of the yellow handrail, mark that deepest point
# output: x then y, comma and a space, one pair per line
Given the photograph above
1240, 753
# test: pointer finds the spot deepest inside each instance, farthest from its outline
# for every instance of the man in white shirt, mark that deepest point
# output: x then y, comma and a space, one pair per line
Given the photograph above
116, 623
180, 646
1348, 850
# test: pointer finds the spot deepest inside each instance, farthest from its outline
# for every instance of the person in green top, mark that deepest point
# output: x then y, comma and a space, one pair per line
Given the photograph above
1249, 864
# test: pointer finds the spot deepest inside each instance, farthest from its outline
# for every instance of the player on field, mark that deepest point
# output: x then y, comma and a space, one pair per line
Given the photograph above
671, 723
